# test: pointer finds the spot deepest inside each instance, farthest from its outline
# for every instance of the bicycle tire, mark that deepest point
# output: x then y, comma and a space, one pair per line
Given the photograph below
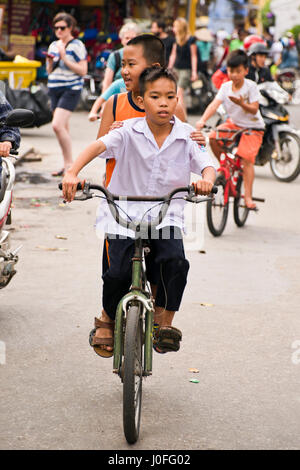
216, 208
240, 212
132, 374
275, 164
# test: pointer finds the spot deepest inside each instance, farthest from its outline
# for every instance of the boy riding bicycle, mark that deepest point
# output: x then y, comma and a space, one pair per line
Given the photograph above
153, 154
240, 97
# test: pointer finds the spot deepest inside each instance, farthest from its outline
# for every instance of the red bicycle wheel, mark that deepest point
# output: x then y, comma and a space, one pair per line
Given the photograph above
217, 209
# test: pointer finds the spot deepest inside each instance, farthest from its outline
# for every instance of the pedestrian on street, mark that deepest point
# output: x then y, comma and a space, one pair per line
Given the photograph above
113, 66
66, 66
184, 58
204, 43
158, 28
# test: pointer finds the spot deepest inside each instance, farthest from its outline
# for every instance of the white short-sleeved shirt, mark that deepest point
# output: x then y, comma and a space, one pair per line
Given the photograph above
142, 168
239, 117
62, 75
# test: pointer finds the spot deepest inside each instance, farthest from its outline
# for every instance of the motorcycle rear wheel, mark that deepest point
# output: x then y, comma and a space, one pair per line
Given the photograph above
287, 167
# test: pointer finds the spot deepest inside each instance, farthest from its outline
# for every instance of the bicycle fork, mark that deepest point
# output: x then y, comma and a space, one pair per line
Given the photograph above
135, 296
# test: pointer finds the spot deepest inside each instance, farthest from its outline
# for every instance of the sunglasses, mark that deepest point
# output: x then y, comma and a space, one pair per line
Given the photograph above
60, 27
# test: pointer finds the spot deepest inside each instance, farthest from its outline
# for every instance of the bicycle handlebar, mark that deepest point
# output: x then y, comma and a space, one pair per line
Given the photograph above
131, 224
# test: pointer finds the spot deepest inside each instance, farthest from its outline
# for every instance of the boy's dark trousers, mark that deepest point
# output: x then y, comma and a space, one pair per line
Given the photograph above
166, 266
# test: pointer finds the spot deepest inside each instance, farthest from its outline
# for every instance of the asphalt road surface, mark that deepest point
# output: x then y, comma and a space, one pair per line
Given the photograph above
240, 322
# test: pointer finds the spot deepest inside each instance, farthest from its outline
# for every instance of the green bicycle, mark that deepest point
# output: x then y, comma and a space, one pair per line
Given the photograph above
133, 337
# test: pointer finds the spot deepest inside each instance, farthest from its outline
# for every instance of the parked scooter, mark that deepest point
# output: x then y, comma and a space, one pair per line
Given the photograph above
200, 94
8, 259
286, 79
93, 81
281, 142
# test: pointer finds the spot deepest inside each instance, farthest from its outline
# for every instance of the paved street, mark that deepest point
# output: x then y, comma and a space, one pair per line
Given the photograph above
57, 394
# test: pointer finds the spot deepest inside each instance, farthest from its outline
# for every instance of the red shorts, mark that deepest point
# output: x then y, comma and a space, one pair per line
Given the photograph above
248, 146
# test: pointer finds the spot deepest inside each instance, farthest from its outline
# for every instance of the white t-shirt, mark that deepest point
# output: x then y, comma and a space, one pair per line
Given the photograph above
239, 117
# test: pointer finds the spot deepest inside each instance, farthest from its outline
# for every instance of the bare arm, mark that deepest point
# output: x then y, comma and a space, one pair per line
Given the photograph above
93, 114
70, 179
172, 57
108, 78
49, 65
107, 118
205, 185
194, 60
251, 108
78, 67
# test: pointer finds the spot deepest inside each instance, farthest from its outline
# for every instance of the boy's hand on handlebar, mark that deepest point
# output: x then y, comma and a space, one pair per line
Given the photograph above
198, 137
5, 148
69, 186
203, 187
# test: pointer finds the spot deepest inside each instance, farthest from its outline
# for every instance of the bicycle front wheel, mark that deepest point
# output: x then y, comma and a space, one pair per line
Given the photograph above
240, 211
133, 374
287, 167
217, 210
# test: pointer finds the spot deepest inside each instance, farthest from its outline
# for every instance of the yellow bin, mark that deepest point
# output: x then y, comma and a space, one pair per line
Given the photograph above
19, 74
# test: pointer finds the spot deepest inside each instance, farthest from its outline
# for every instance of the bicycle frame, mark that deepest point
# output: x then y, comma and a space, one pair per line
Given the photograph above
136, 294
228, 168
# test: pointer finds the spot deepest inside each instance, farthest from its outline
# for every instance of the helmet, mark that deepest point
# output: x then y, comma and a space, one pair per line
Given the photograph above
258, 48
252, 39
292, 42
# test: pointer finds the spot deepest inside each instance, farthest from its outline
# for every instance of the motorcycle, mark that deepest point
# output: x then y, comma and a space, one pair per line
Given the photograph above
8, 259
286, 79
200, 94
281, 142
93, 81
91, 90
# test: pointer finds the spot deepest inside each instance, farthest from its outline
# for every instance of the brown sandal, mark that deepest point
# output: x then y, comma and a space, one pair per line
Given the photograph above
98, 343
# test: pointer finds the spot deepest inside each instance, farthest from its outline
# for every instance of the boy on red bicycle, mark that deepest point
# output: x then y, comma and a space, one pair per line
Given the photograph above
240, 97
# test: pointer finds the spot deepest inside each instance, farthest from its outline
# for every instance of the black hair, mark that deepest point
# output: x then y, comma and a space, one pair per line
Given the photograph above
237, 58
161, 24
151, 74
153, 47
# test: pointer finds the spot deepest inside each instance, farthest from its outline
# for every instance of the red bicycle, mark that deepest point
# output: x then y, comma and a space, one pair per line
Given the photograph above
230, 185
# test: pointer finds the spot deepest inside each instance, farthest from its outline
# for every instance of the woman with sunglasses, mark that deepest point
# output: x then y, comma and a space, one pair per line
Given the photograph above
66, 66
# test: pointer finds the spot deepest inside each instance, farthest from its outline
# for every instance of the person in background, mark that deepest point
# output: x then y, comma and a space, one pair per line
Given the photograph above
9, 136
240, 97
223, 58
204, 44
66, 67
258, 72
289, 55
238, 41
113, 66
118, 86
183, 58
158, 28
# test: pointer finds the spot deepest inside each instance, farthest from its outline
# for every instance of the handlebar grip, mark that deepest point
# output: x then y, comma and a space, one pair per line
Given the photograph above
79, 186
13, 152
214, 189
